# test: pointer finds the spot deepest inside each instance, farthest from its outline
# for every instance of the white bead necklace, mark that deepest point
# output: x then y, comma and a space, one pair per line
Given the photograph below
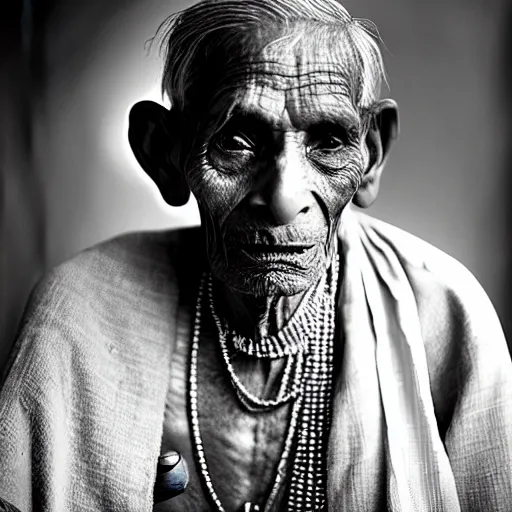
310, 360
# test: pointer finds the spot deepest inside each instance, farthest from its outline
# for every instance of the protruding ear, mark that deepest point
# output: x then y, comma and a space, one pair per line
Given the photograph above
384, 128
155, 138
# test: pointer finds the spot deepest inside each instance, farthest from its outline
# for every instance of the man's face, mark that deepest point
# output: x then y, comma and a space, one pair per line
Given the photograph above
273, 165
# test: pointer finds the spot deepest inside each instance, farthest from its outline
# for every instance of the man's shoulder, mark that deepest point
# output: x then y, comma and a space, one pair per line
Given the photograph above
460, 328
131, 257
429, 269
146, 265
448, 296
134, 276
117, 296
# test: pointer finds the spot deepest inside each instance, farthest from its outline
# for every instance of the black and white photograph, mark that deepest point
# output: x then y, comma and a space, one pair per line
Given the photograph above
255, 256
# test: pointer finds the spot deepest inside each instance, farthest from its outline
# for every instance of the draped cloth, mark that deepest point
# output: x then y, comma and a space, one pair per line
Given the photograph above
386, 450
422, 408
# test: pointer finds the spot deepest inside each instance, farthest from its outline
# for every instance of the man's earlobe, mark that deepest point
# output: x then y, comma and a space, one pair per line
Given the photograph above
383, 131
154, 137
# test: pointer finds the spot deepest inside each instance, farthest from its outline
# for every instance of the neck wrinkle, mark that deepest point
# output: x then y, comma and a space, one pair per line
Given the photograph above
256, 317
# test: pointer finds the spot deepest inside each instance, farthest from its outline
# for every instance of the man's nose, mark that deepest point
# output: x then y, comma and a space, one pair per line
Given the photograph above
283, 189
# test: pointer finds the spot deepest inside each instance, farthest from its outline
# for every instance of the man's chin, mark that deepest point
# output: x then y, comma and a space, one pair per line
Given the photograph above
274, 282
273, 279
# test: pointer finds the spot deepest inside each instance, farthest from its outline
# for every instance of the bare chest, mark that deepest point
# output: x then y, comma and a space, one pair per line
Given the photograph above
242, 449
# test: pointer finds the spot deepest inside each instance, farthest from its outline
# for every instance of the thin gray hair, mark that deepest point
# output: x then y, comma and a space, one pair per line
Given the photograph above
191, 34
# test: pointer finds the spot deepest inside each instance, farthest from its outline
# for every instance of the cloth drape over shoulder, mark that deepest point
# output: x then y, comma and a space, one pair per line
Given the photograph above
422, 416
422, 409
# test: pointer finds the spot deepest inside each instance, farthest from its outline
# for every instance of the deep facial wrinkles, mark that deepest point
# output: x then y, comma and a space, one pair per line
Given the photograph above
286, 92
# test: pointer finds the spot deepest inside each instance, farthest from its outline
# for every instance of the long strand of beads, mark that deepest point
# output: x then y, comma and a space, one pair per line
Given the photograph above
193, 405
194, 419
308, 483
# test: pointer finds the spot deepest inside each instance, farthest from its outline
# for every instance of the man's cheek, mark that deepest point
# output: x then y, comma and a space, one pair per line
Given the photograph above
219, 194
335, 192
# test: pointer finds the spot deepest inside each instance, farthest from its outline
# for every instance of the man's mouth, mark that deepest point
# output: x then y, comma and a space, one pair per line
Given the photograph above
294, 254
291, 248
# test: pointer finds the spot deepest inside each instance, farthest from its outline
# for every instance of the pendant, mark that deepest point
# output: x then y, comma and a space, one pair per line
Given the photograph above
251, 507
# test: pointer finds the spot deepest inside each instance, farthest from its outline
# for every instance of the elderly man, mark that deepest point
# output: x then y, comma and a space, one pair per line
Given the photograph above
297, 355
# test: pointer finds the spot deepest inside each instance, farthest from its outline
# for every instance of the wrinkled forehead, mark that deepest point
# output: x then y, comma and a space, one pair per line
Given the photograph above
303, 84
295, 75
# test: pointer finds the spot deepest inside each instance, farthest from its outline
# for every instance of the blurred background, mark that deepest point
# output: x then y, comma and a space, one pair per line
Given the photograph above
69, 72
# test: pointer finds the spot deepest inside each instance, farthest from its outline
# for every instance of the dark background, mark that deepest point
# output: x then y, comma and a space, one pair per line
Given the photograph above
69, 72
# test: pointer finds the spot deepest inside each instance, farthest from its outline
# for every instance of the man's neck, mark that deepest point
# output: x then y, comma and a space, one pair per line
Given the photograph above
256, 317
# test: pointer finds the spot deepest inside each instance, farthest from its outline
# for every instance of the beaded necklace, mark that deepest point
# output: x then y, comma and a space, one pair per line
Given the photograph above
307, 341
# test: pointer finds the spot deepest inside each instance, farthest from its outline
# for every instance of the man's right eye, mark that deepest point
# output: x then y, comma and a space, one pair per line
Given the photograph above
232, 142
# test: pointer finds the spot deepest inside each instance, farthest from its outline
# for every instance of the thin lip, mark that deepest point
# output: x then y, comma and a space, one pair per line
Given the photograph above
272, 248
285, 254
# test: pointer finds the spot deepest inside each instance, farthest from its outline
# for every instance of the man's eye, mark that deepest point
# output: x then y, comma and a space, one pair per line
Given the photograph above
235, 142
327, 143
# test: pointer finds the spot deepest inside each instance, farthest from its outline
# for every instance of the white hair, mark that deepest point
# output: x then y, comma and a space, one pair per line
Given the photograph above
190, 35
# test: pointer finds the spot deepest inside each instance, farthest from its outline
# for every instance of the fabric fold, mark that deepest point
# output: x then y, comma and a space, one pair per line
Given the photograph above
384, 349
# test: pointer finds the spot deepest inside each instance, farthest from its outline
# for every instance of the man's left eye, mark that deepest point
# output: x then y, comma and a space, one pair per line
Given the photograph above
327, 143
